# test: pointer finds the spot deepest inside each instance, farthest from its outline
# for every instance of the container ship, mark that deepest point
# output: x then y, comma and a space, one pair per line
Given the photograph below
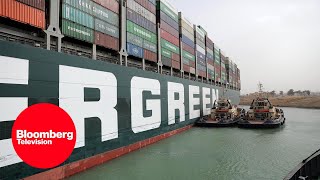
128, 72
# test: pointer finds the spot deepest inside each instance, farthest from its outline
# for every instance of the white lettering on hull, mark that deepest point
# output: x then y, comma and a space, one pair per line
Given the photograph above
71, 98
139, 123
72, 84
173, 104
194, 101
12, 71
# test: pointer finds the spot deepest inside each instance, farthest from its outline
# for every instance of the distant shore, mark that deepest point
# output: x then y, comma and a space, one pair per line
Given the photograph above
310, 102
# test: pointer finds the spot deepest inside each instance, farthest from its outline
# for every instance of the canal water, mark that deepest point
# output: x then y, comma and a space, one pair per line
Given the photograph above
222, 154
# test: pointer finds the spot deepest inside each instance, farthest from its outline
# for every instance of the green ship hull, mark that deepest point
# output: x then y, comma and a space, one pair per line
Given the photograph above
141, 107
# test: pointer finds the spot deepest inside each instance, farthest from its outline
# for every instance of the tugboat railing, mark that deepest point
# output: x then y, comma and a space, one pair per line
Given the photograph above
309, 168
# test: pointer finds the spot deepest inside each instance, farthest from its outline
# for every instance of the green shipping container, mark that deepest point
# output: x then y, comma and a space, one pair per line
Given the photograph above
169, 46
168, 11
141, 32
77, 31
77, 16
95, 10
166, 53
105, 15
188, 55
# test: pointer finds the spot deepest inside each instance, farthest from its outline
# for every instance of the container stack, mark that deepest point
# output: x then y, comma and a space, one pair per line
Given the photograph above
201, 52
209, 58
187, 44
235, 79
96, 22
230, 72
223, 59
142, 29
238, 79
217, 64
24, 11
168, 17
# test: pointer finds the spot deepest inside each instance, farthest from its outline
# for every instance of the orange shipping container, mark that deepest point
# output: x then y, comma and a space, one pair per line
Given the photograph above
22, 13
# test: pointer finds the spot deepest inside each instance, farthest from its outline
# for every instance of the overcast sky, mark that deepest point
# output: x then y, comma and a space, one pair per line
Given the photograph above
276, 42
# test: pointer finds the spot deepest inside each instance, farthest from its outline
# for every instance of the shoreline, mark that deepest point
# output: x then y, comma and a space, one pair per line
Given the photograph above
301, 102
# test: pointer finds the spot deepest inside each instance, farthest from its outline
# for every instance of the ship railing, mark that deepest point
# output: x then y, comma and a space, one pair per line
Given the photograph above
308, 169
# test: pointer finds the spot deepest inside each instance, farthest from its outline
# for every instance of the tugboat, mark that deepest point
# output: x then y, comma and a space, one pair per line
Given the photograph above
223, 114
262, 114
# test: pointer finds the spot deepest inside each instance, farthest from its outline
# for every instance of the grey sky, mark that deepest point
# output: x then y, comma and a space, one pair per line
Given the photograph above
276, 42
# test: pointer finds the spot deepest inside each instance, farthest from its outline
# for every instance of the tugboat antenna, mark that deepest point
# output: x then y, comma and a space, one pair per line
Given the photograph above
260, 87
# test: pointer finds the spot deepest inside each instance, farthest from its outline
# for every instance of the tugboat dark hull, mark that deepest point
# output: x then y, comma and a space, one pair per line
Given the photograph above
231, 123
264, 125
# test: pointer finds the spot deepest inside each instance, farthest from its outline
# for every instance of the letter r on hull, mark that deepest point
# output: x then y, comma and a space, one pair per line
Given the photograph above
72, 83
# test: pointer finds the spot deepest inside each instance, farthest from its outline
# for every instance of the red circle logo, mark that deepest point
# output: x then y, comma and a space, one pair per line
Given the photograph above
44, 136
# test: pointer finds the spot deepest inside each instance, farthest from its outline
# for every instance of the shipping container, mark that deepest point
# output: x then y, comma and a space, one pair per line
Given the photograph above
168, 9
133, 39
113, 5
141, 21
175, 57
77, 16
135, 50
39, 4
106, 41
188, 48
169, 46
151, 56
168, 28
187, 41
106, 28
141, 32
186, 68
23, 13
166, 61
95, 10
77, 31
150, 46
176, 64
170, 38
141, 10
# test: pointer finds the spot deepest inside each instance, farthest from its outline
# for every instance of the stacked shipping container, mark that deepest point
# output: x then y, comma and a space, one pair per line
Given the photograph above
230, 66
200, 39
25, 11
92, 21
187, 44
142, 29
238, 86
168, 17
217, 64
209, 58
223, 59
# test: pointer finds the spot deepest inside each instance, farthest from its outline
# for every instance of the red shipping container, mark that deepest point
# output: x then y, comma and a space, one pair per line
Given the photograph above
151, 56
175, 64
210, 62
192, 64
112, 5
167, 36
106, 41
175, 57
186, 68
187, 48
39, 4
169, 29
202, 73
22, 13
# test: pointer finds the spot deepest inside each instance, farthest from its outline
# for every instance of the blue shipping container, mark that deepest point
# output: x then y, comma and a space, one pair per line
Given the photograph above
135, 50
186, 40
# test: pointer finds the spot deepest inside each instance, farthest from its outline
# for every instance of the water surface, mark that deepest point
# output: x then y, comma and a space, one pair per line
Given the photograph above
229, 153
